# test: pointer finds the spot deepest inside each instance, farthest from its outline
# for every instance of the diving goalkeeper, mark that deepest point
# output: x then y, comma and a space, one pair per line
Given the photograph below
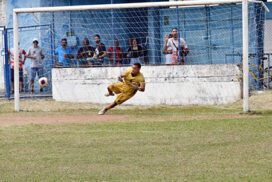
131, 81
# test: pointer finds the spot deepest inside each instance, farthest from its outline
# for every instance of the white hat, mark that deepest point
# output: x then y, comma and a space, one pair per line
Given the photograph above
35, 39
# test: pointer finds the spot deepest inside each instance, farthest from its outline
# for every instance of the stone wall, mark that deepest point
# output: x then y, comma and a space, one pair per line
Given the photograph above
170, 85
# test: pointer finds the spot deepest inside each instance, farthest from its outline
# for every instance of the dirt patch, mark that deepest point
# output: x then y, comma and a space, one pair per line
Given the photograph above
20, 119
84, 117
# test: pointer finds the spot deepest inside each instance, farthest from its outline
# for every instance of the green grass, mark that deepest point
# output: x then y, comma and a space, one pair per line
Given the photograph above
154, 144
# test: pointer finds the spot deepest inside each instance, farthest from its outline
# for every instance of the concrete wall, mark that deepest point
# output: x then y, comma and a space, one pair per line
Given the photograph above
171, 85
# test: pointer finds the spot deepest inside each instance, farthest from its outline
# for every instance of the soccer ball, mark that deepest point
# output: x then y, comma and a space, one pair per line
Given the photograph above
43, 82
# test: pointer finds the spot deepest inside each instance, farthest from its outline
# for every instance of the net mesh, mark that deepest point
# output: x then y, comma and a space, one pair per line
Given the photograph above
213, 35
210, 32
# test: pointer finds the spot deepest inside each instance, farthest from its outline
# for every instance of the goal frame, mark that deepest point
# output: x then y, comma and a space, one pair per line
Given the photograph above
245, 35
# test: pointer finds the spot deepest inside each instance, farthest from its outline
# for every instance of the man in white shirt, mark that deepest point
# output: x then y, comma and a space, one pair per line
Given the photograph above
171, 46
36, 56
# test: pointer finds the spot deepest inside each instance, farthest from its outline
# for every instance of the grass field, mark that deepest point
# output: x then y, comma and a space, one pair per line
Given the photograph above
135, 144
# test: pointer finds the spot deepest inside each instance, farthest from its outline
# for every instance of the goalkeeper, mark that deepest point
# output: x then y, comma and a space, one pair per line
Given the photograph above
131, 81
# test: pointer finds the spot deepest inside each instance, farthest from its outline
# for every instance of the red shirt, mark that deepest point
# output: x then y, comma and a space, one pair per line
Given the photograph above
22, 54
117, 53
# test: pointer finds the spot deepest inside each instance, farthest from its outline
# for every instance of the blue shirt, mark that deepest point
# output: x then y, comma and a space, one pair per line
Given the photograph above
60, 51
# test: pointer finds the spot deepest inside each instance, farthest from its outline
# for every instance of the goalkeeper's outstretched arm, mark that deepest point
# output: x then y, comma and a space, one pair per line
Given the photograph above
141, 88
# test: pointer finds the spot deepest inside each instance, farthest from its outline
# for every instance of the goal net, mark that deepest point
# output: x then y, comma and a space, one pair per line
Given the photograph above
208, 32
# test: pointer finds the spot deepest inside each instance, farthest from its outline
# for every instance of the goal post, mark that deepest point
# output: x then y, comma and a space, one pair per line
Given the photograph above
245, 56
179, 4
16, 63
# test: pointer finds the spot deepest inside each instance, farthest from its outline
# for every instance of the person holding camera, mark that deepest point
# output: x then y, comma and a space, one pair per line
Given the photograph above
172, 46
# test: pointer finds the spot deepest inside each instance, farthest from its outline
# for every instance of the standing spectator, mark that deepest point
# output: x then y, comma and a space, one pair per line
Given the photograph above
173, 42
86, 52
115, 53
100, 50
135, 52
22, 58
168, 51
126, 59
35, 53
64, 54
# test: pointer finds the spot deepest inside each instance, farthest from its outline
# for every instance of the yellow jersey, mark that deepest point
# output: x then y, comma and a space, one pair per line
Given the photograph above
125, 90
135, 80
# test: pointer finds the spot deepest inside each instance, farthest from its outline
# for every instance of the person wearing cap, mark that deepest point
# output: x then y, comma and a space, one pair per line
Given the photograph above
36, 56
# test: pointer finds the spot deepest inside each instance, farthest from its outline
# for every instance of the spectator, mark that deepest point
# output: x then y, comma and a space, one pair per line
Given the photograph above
126, 59
115, 53
22, 58
64, 54
86, 52
36, 56
168, 51
100, 51
174, 44
135, 52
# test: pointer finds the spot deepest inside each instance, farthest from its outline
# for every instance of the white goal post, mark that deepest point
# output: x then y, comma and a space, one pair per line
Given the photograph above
188, 3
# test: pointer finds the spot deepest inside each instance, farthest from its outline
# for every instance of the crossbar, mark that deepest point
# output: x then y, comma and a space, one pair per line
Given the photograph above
124, 6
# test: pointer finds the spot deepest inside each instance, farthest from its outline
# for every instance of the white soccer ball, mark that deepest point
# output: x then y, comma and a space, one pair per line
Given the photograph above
43, 82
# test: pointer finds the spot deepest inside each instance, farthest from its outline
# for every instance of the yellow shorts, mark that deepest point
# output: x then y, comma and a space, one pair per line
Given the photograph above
123, 91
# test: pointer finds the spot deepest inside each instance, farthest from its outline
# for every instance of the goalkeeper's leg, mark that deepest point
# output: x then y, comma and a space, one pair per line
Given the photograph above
114, 88
121, 98
105, 109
